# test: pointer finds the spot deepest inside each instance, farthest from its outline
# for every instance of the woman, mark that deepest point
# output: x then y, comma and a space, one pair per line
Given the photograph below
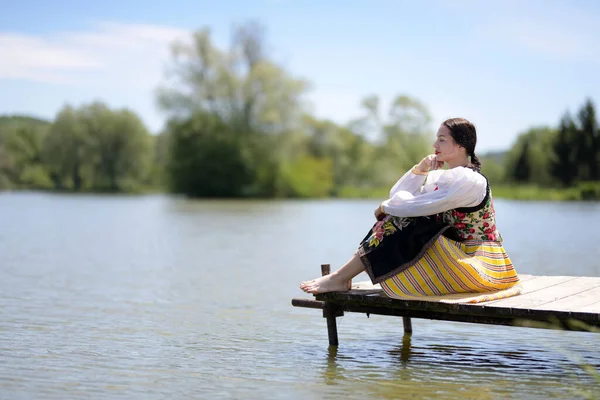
436, 235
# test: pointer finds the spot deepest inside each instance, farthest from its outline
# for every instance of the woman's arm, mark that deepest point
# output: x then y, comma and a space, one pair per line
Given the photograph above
413, 180
458, 187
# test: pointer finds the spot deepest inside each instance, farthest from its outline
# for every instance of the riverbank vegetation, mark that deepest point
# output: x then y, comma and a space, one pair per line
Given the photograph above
238, 126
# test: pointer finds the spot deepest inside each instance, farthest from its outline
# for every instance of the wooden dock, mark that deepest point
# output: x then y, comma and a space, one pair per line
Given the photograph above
555, 302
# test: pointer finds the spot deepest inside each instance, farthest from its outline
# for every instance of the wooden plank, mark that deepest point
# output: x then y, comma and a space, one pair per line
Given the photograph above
575, 302
542, 282
308, 303
530, 287
374, 292
451, 310
526, 277
549, 302
592, 308
538, 290
510, 320
550, 293
367, 285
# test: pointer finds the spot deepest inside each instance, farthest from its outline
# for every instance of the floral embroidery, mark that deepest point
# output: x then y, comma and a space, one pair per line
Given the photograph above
401, 222
382, 228
386, 227
478, 225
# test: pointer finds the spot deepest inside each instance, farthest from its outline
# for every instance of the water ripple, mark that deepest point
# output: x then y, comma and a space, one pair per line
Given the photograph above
148, 298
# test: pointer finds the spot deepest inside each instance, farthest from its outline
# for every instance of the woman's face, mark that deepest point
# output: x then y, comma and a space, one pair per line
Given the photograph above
445, 147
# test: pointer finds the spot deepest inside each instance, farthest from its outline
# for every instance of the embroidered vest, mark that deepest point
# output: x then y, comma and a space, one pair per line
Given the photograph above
474, 223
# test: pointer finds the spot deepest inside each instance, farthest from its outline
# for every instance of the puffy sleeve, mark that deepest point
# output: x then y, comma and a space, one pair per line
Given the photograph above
456, 187
410, 182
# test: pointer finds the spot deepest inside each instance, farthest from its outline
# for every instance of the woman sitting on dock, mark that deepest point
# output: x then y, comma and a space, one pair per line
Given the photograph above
436, 235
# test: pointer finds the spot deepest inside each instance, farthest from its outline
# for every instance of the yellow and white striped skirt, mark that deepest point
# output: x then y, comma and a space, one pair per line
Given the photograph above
463, 272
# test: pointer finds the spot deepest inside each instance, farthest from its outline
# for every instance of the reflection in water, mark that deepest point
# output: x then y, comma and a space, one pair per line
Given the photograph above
169, 298
331, 374
434, 369
404, 349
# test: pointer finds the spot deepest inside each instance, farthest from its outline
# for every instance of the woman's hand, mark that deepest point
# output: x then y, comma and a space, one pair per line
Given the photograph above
379, 214
429, 163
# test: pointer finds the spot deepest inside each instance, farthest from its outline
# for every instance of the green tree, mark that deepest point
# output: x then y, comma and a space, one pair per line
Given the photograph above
67, 150
21, 162
564, 167
120, 145
587, 143
309, 176
531, 156
541, 155
5, 166
96, 148
493, 167
343, 149
159, 175
522, 171
400, 141
256, 100
203, 161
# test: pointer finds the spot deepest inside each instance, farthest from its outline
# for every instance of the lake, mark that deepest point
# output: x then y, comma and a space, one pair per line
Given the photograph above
156, 297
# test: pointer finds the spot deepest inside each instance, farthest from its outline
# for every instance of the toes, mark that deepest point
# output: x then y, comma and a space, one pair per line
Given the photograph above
307, 283
312, 290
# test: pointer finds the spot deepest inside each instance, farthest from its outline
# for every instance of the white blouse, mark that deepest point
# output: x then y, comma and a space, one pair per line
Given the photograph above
416, 195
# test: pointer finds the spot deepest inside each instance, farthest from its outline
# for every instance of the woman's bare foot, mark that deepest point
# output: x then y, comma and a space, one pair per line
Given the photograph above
327, 283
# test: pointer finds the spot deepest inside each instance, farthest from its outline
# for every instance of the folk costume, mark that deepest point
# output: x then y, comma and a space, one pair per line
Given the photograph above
439, 240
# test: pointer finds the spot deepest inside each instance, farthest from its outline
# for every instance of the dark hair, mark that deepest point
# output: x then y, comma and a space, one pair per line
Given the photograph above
465, 135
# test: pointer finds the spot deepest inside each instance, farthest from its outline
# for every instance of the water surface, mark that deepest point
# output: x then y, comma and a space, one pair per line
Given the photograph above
160, 297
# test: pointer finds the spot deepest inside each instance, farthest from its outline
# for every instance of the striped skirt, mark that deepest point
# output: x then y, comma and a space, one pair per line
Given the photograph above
470, 271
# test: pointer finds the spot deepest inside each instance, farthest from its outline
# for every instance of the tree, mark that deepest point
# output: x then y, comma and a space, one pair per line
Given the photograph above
522, 171
492, 166
334, 145
203, 161
5, 167
159, 173
120, 145
67, 149
400, 141
309, 176
587, 142
256, 100
564, 166
21, 164
409, 115
97, 148
530, 157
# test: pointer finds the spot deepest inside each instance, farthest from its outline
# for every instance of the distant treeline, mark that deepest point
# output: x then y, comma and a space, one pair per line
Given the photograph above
91, 148
566, 157
238, 127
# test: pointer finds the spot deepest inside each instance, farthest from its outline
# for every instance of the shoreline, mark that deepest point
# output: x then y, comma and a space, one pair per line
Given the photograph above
584, 192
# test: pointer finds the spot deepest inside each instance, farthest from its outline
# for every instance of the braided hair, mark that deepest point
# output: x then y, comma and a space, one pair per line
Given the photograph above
465, 135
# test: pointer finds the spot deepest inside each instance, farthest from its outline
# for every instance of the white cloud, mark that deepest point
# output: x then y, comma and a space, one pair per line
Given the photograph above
34, 58
562, 29
112, 53
565, 40
117, 63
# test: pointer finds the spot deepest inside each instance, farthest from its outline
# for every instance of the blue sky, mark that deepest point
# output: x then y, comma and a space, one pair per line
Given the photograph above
506, 65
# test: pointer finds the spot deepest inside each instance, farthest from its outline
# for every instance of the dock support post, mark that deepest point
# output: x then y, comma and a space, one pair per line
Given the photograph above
407, 325
330, 312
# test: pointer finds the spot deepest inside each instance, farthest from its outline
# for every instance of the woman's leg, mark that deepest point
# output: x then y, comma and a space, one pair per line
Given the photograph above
337, 281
